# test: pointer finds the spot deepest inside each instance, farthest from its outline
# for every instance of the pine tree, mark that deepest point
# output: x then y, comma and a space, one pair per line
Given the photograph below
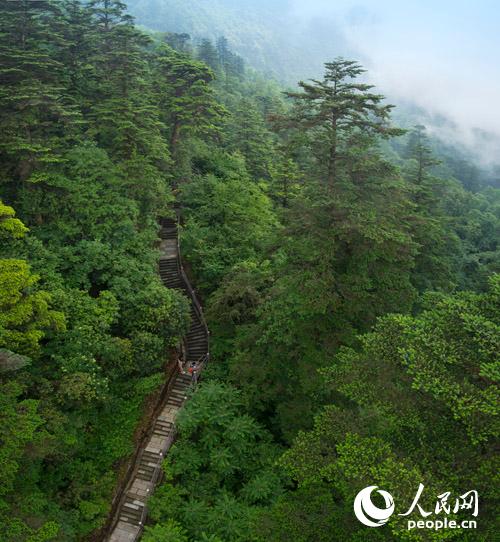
334, 110
285, 177
207, 53
247, 133
223, 52
436, 263
76, 55
123, 118
109, 14
124, 115
36, 116
348, 252
238, 66
179, 42
419, 151
186, 99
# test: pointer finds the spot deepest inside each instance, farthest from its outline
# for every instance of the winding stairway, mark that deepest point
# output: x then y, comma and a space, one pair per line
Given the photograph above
131, 511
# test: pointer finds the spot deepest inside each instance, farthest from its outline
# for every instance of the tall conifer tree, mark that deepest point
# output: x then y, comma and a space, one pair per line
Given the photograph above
36, 115
335, 110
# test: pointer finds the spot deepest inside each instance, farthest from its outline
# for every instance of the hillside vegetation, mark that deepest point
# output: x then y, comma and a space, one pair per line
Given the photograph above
349, 276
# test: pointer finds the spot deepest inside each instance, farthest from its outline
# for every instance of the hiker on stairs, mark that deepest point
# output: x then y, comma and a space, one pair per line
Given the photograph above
193, 371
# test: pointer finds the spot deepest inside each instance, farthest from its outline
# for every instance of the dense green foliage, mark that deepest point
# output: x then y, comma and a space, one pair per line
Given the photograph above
224, 466
417, 403
85, 324
347, 270
366, 232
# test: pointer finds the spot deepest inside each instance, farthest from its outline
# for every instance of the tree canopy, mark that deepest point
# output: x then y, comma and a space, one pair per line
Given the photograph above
348, 270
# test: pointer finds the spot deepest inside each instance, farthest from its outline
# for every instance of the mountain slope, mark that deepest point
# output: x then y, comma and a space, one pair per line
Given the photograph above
267, 34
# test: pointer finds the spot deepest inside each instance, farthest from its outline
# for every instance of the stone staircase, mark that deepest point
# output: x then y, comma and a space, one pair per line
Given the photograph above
131, 512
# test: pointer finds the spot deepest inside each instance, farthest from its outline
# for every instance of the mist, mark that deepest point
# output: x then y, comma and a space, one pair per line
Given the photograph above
440, 56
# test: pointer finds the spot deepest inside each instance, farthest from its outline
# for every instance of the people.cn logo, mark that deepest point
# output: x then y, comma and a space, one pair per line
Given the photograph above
367, 512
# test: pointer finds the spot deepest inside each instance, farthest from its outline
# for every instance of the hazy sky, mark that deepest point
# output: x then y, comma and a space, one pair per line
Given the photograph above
442, 54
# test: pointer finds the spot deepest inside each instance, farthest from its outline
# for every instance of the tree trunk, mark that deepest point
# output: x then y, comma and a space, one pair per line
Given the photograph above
174, 138
332, 161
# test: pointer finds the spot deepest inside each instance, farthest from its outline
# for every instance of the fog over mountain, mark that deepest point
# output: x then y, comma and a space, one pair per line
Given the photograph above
441, 57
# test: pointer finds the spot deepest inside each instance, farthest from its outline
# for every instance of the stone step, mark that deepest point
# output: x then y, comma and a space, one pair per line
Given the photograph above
175, 399
199, 335
131, 521
197, 351
174, 402
170, 275
194, 334
181, 397
162, 426
196, 325
161, 432
179, 386
145, 469
150, 460
144, 477
168, 233
129, 513
171, 280
200, 342
197, 346
150, 456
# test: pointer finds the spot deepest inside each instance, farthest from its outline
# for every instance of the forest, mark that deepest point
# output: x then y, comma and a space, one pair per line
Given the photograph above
348, 269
